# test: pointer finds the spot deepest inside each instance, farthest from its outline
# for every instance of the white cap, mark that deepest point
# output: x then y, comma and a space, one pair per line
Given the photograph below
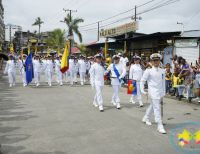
156, 56
136, 57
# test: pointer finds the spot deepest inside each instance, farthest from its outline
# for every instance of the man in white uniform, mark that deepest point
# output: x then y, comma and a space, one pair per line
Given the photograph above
59, 74
76, 70
21, 64
135, 74
44, 63
155, 78
118, 72
49, 69
97, 81
71, 69
82, 69
11, 70
37, 70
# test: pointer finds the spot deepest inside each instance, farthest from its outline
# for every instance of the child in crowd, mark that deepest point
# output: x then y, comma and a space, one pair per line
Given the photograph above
168, 78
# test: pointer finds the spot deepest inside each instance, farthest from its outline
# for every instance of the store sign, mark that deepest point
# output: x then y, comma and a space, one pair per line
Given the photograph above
130, 27
186, 43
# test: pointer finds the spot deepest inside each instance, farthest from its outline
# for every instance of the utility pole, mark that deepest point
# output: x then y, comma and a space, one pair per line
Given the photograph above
70, 34
135, 13
98, 35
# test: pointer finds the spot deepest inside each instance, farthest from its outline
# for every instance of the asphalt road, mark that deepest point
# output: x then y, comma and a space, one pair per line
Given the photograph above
62, 120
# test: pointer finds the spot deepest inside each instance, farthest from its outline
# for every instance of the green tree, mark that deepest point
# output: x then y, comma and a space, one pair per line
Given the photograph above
56, 39
38, 22
73, 26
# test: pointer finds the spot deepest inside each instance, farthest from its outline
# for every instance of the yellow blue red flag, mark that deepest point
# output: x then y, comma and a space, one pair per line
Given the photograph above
65, 59
132, 87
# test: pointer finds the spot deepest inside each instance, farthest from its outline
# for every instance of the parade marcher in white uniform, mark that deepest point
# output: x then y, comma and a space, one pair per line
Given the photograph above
49, 69
59, 74
118, 72
155, 78
82, 69
97, 81
11, 70
135, 74
71, 69
44, 63
37, 70
76, 70
21, 64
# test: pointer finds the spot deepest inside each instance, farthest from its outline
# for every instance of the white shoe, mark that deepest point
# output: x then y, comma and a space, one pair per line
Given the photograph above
161, 129
50, 85
132, 101
10, 85
141, 104
113, 102
145, 120
101, 108
118, 106
61, 84
24, 84
95, 104
37, 84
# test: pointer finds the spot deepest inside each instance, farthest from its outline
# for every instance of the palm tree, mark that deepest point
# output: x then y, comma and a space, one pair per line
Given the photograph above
56, 39
73, 26
38, 22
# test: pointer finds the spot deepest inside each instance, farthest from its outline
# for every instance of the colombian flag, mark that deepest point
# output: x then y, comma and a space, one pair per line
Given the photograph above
132, 87
65, 59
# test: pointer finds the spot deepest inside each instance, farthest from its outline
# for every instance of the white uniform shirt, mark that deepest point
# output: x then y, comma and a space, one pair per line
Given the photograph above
97, 75
135, 72
122, 71
49, 66
21, 65
36, 66
88, 65
10, 66
82, 66
155, 78
71, 65
57, 65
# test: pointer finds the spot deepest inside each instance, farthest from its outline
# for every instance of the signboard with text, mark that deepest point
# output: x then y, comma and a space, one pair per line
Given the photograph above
123, 29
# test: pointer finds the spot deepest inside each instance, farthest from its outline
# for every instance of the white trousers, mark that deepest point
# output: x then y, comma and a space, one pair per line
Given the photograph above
60, 77
82, 77
49, 77
155, 108
12, 77
98, 96
71, 73
115, 97
24, 77
37, 77
138, 97
75, 76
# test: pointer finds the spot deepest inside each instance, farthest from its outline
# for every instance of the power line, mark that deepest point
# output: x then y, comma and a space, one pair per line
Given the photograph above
118, 14
168, 2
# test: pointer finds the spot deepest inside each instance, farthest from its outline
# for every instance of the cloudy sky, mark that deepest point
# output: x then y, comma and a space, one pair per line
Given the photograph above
24, 12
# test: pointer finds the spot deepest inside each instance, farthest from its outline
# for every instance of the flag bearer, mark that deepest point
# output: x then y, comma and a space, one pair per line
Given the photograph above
49, 69
11, 70
37, 69
118, 72
155, 78
82, 69
97, 81
59, 74
135, 74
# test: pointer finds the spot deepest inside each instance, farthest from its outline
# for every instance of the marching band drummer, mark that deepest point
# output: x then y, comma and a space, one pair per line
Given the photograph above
155, 78
118, 72
135, 74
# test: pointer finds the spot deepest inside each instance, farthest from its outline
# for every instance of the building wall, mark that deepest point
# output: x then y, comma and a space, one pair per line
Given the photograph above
2, 26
